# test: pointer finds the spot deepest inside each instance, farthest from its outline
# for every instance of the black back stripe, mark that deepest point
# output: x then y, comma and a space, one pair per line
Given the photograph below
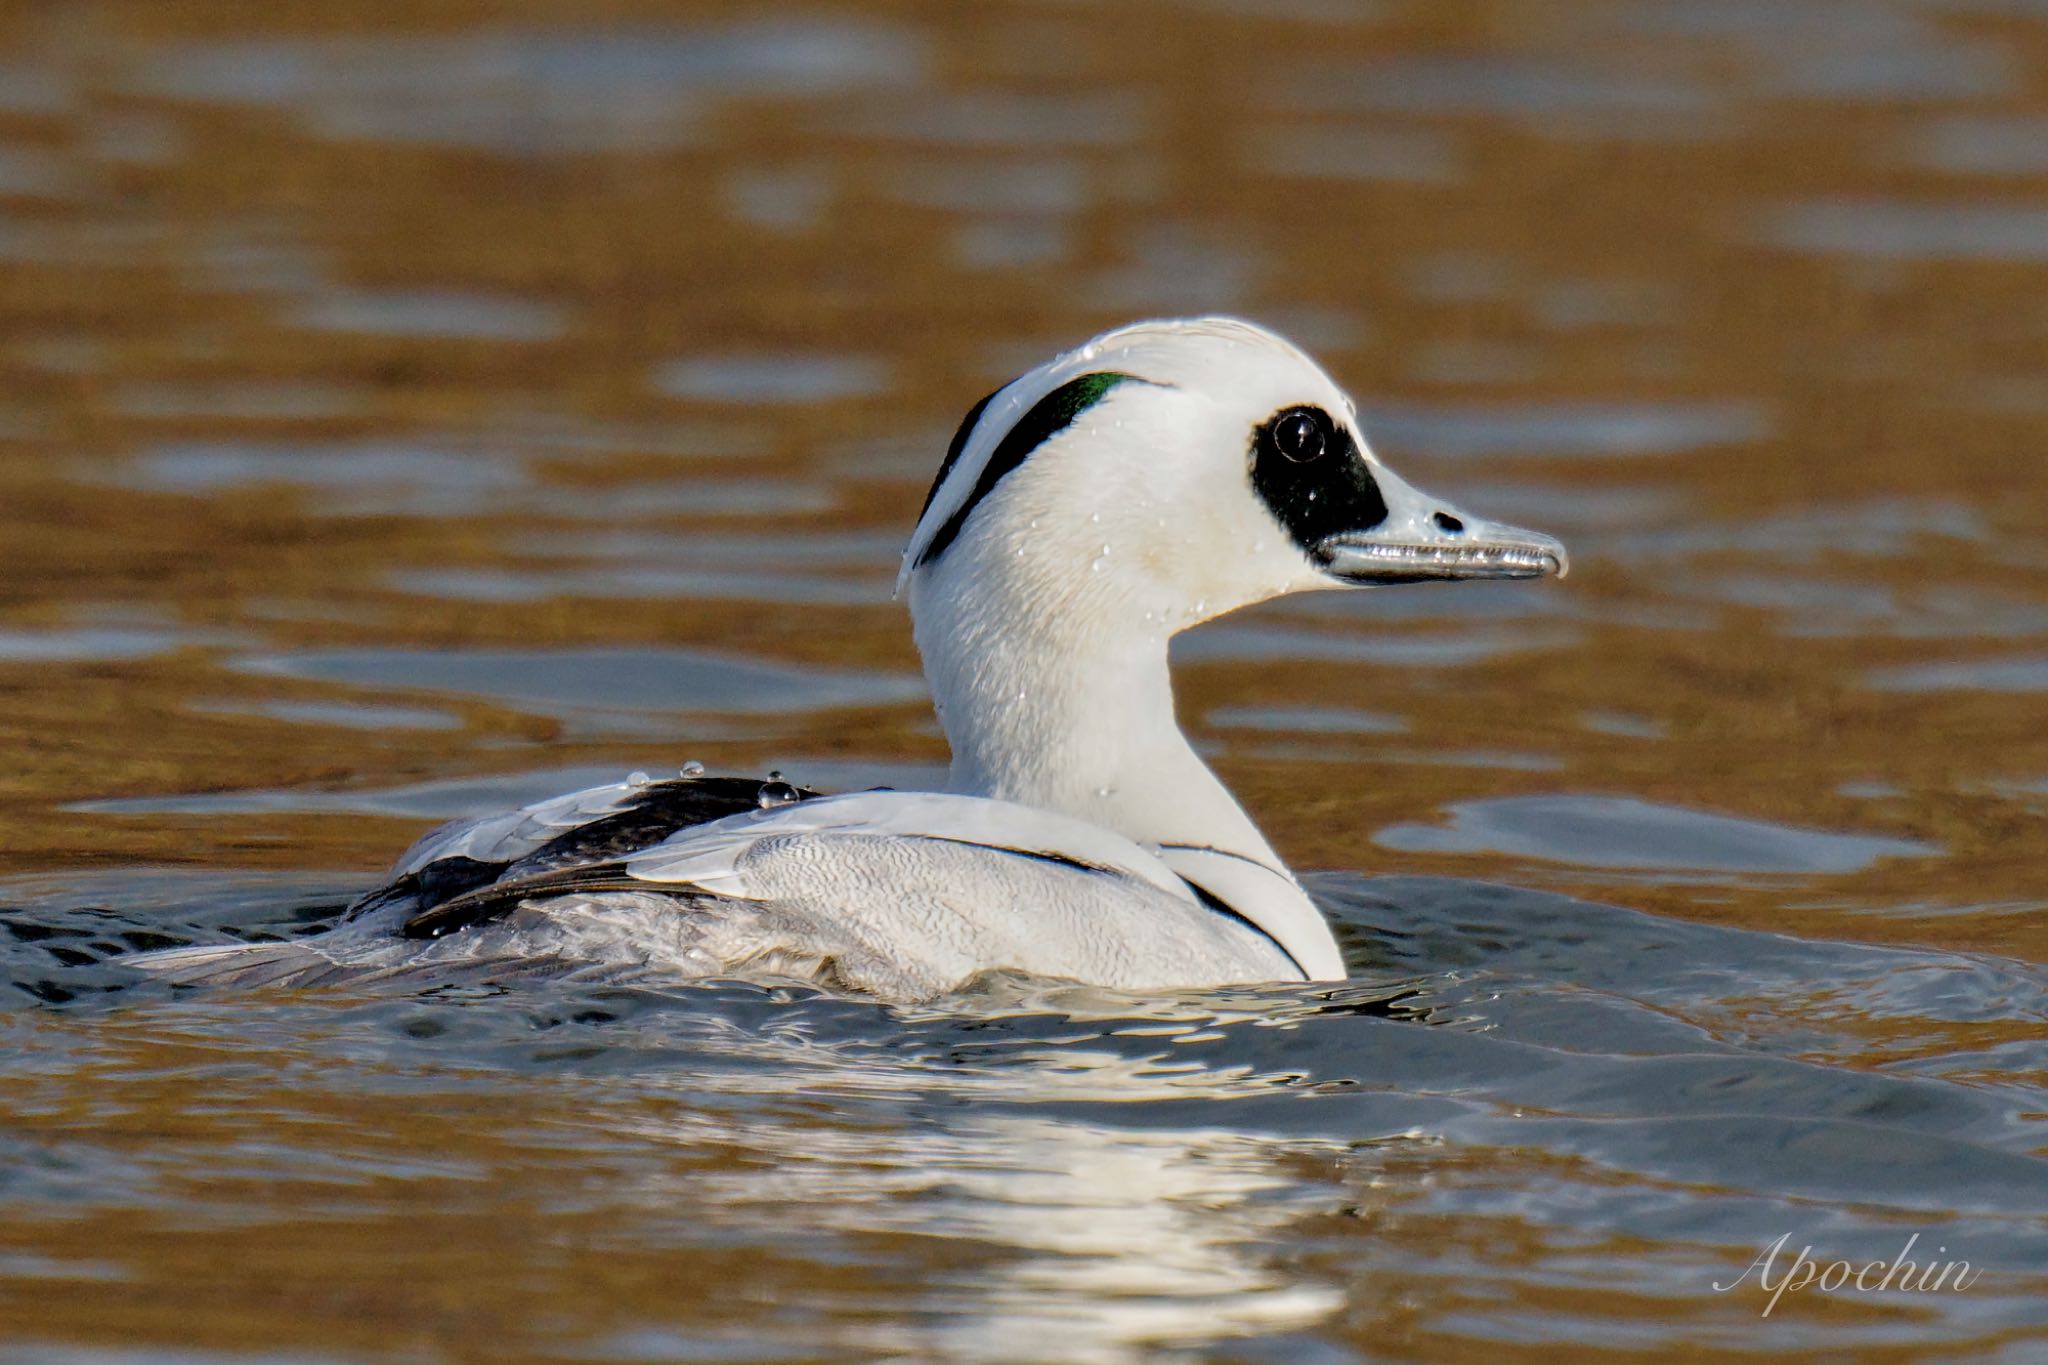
656, 811
954, 447
440, 880
1228, 911
1222, 907
1034, 855
1227, 853
499, 898
454, 892
1048, 417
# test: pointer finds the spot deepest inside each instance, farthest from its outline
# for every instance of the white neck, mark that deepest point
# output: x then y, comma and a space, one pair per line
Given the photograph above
1046, 705
1055, 709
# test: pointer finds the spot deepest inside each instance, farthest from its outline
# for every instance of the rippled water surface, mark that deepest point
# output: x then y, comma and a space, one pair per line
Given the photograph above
413, 409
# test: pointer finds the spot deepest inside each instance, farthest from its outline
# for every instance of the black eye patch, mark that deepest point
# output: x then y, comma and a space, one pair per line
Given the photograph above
1306, 468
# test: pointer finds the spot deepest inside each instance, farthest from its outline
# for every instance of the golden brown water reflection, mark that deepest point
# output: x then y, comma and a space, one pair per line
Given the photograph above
416, 406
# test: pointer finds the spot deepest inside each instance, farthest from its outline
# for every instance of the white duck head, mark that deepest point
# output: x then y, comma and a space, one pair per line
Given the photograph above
1160, 475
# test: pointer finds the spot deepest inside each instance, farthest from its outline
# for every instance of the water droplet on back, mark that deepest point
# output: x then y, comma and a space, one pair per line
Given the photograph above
637, 779
773, 794
692, 768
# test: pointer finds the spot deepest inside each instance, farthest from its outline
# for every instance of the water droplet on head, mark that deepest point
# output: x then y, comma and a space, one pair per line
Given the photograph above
773, 794
692, 768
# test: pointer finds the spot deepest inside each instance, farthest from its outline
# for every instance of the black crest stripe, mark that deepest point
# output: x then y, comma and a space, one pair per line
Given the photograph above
953, 448
1048, 417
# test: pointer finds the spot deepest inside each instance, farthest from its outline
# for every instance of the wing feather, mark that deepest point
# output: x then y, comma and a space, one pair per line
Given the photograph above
710, 856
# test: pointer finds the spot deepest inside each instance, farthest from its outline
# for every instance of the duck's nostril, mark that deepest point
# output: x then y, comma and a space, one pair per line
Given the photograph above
1446, 522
